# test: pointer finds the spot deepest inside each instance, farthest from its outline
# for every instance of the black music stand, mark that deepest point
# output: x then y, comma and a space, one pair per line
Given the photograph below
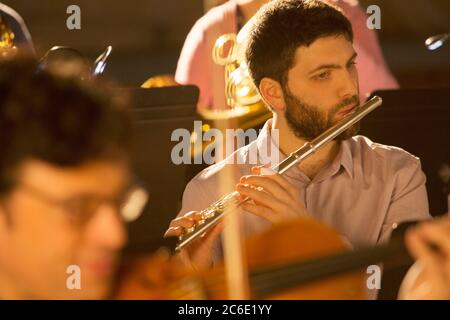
157, 112
419, 122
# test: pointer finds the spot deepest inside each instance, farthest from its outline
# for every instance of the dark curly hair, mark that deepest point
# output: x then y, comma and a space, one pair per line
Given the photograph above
282, 26
57, 119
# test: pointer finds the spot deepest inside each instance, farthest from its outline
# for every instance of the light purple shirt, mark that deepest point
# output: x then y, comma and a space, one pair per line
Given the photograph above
366, 189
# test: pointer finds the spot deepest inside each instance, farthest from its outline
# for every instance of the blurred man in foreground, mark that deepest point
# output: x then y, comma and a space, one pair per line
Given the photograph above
64, 178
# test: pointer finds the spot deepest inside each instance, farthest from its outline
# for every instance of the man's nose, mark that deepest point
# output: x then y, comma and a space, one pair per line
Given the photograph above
107, 228
348, 85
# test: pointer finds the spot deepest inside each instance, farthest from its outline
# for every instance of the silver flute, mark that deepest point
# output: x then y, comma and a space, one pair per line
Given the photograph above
216, 211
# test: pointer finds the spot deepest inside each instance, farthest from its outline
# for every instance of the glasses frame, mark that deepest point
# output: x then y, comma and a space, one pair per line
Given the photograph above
73, 205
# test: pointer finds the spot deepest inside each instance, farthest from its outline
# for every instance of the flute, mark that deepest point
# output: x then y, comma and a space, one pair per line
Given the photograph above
219, 209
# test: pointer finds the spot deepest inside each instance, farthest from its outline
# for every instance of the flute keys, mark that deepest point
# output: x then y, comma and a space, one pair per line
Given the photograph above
209, 214
190, 230
220, 208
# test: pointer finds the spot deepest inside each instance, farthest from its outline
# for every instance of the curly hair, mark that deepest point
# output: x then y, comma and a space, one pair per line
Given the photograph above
281, 27
56, 119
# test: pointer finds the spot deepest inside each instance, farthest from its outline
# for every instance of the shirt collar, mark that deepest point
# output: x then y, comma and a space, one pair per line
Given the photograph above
266, 145
346, 157
343, 159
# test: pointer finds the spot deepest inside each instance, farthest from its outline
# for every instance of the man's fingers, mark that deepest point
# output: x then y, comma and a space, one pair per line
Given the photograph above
212, 235
186, 221
285, 184
270, 186
182, 222
260, 196
206, 241
174, 232
257, 169
179, 225
263, 199
437, 233
260, 211
194, 215
421, 251
274, 178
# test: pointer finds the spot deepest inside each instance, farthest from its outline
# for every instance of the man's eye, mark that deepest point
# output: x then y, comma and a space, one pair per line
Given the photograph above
323, 76
75, 206
81, 205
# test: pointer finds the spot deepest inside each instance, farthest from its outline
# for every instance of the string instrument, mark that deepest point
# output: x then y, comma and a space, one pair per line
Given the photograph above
314, 263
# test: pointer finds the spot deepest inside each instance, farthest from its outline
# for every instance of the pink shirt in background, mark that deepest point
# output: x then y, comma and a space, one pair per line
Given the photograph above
366, 189
195, 65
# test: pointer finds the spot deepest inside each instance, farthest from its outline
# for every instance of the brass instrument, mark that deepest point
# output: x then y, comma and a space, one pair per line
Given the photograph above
241, 94
214, 213
6, 35
6, 38
239, 88
164, 80
68, 60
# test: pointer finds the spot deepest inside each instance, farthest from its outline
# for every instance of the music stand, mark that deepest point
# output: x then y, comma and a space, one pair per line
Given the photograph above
417, 120
157, 112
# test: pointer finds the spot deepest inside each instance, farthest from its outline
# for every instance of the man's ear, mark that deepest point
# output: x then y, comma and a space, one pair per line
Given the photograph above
272, 93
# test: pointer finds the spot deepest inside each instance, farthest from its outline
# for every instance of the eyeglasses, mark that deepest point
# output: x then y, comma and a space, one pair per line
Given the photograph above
130, 203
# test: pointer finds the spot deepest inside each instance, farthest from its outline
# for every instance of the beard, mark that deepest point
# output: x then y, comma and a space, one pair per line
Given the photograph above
308, 122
